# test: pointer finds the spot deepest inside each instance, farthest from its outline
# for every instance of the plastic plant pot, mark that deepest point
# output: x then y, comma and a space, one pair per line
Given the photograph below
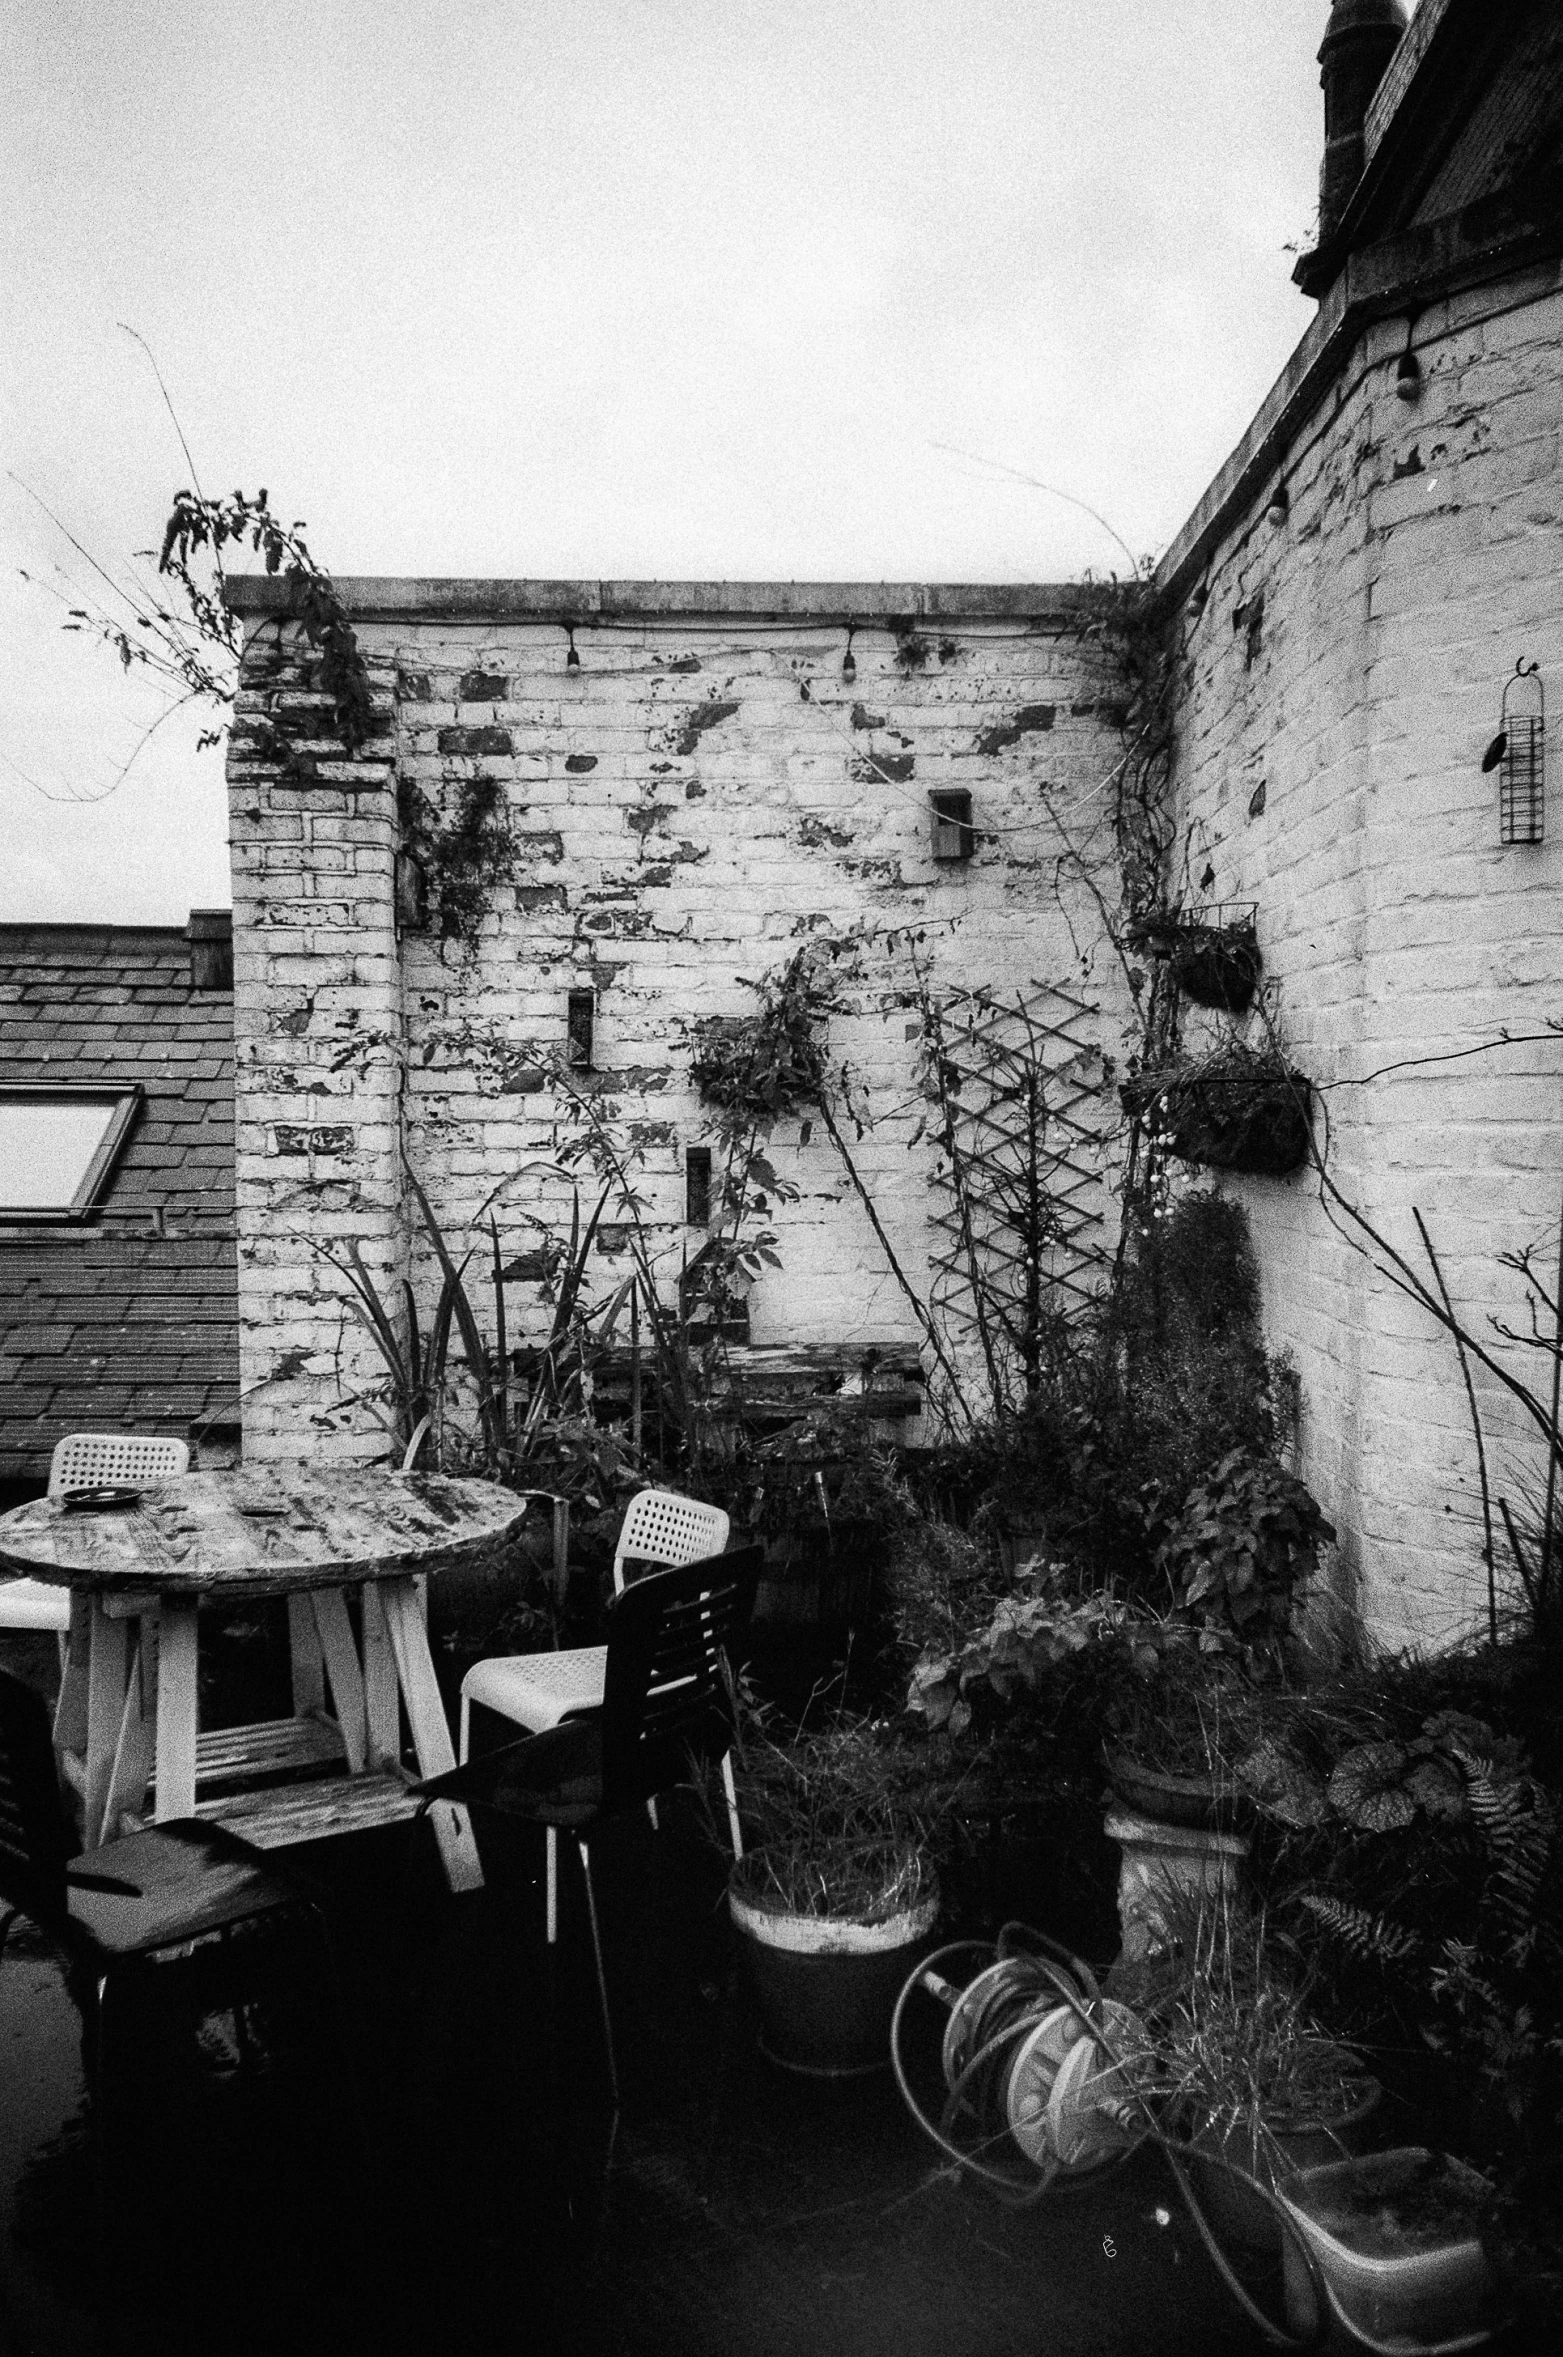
826, 1986
1403, 2272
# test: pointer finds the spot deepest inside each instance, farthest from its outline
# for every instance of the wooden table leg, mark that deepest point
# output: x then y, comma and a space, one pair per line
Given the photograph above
176, 1707
344, 1671
108, 1646
430, 1733
70, 1712
306, 1662
382, 1695
127, 1792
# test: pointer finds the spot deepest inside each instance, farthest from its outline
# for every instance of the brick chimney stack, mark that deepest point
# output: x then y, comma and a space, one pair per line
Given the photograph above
210, 935
1359, 41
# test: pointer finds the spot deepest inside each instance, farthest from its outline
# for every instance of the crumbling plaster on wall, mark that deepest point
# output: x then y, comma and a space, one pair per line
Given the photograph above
1417, 562
703, 794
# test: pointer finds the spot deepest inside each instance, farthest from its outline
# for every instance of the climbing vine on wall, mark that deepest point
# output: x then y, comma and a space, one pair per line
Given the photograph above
461, 859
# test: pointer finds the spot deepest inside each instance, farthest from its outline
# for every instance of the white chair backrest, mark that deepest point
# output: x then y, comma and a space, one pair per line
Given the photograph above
661, 1527
82, 1459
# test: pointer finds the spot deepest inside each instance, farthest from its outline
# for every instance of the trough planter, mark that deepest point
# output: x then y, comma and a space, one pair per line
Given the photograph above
1394, 2240
826, 1986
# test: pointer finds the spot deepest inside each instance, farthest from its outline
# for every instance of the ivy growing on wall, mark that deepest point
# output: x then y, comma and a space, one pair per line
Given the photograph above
461, 859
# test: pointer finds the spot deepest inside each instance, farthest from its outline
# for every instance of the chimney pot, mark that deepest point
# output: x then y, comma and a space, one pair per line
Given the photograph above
210, 935
1359, 41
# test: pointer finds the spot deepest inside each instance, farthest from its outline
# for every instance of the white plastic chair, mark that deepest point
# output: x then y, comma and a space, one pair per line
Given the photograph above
537, 1690
81, 1460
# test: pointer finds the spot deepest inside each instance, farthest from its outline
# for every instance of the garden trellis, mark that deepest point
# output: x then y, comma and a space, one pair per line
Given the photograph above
1022, 1201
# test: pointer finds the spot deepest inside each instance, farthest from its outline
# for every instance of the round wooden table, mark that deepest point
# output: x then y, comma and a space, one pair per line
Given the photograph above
127, 1714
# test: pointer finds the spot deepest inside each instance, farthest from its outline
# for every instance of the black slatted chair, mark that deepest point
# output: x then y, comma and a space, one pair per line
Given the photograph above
179, 1897
666, 1706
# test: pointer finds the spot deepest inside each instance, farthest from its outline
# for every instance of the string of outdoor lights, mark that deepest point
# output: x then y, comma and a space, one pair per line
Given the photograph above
809, 691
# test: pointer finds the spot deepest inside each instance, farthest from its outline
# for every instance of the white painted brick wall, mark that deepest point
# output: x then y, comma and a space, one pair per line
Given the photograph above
660, 878
1420, 559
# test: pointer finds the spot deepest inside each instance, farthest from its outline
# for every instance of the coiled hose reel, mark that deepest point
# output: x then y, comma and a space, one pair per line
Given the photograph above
1039, 2064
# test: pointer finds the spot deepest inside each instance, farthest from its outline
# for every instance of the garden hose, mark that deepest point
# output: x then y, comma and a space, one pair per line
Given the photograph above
1037, 2060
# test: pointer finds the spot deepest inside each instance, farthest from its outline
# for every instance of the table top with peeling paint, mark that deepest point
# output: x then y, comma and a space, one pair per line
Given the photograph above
263, 1530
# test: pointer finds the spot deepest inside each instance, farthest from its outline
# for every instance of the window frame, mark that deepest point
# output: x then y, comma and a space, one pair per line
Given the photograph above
124, 1101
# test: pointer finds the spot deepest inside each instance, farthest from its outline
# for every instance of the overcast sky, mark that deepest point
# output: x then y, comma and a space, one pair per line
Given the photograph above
688, 288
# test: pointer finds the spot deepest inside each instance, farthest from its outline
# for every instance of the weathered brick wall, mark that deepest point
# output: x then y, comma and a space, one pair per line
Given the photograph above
1329, 768
684, 809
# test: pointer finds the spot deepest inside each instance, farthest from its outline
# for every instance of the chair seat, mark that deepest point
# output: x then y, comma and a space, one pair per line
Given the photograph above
537, 1690
34, 1604
550, 1779
173, 1883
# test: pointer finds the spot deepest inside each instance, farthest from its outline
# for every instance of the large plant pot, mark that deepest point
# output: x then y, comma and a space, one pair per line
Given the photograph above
826, 1988
1400, 2270
806, 1595
1228, 2181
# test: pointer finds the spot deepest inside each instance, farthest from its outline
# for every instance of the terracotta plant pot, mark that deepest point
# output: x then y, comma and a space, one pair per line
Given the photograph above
826, 1986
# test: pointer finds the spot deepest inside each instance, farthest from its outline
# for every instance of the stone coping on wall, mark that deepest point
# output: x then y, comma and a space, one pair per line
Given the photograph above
1485, 241
389, 598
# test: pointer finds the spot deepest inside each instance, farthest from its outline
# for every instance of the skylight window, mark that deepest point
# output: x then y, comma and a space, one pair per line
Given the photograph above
58, 1148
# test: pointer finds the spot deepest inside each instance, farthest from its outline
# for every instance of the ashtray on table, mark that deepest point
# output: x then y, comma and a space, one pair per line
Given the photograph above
101, 1497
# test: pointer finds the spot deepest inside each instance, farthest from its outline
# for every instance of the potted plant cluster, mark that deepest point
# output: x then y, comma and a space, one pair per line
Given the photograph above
835, 1892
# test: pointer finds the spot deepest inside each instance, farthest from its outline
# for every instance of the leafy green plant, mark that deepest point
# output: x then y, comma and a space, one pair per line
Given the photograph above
1431, 1871
1245, 1540
758, 1069
1042, 1625
420, 1379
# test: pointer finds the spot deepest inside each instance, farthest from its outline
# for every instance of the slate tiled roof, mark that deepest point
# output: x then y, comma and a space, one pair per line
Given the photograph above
130, 1322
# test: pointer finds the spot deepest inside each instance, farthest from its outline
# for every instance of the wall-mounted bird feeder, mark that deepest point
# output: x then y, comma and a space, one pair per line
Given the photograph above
1519, 753
954, 836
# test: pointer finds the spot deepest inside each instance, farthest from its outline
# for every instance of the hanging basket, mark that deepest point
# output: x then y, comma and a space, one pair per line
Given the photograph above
1214, 956
1217, 965
1234, 1111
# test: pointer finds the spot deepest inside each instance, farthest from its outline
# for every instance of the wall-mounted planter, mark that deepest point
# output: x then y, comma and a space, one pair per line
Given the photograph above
1235, 1110
1214, 956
